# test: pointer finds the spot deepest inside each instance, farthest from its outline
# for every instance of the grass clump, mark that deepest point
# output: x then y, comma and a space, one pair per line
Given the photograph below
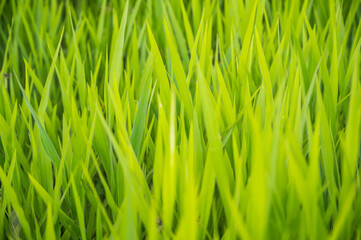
180, 119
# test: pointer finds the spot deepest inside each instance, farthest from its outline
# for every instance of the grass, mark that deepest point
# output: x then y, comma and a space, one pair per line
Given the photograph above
158, 119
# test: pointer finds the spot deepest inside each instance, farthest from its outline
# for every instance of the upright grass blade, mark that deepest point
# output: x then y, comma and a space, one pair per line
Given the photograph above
139, 122
45, 140
45, 94
79, 210
179, 72
116, 63
11, 194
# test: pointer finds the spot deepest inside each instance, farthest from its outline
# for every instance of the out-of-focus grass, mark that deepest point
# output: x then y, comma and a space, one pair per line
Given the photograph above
180, 119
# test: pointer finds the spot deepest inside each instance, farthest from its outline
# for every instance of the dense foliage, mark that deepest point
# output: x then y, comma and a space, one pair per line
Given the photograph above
180, 119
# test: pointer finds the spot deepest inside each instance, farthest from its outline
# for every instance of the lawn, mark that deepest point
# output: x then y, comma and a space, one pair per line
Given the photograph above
180, 119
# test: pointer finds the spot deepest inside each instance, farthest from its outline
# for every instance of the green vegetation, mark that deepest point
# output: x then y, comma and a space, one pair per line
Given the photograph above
159, 119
